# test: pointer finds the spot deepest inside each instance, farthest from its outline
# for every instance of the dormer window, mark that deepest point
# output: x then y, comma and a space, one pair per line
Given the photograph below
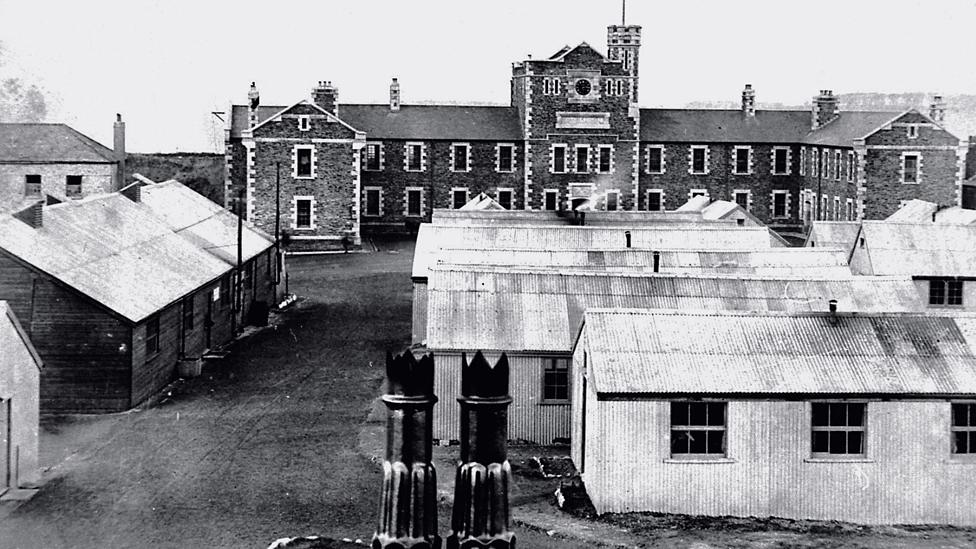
304, 123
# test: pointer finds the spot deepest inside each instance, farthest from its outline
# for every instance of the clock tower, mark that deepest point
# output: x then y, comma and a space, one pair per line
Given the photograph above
623, 44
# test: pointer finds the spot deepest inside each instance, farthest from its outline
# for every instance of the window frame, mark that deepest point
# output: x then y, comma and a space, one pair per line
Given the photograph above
862, 428
73, 185
850, 209
803, 161
690, 427
406, 201
577, 149
304, 122
736, 157
33, 188
917, 169
616, 200
850, 166
295, 212
454, 191
952, 292
498, 157
970, 454
662, 164
786, 152
511, 197
408, 149
378, 191
546, 193
152, 337
378, 147
550, 366
692, 149
295, 161
748, 194
562, 148
786, 204
454, 157
660, 197
838, 158
600, 149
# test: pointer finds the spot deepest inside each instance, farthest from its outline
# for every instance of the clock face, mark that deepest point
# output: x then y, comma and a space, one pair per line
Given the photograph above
583, 87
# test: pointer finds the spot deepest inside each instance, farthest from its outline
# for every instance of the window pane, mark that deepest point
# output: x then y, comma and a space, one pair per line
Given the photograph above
413, 202
505, 158
741, 161
604, 160
414, 157
960, 442
971, 448
936, 292
780, 161
954, 294
855, 415
654, 159
820, 443
698, 442
972, 414
855, 442
960, 415
304, 162
460, 198
838, 442
550, 201
698, 160
715, 442
372, 202
559, 159
716, 413
679, 442
698, 413
505, 199
654, 201
679, 413
838, 415
582, 159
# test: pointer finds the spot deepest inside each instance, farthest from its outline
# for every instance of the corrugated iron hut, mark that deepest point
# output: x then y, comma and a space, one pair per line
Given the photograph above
20, 371
867, 418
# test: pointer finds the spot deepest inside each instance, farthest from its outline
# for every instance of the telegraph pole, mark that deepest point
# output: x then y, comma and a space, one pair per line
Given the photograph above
239, 286
277, 278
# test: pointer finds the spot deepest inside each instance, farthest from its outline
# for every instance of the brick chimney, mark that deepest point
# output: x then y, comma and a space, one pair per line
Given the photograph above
33, 215
118, 145
748, 101
937, 109
408, 505
824, 109
326, 96
394, 95
133, 191
253, 100
481, 515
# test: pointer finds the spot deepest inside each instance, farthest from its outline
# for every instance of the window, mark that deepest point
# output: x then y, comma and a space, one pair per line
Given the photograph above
945, 291
825, 164
555, 379
742, 199
152, 335
605, 164
225, 291
32, 185
460, 157
694, 193
247, 280
304, 162
73, 185
815, 162
698, 429
963, 428
655, 200
303, 213
741, 160
612, 199
505, 198
655, 159
551, 199
304, 123
550, 86
374, 156
837, 428
909, 168
837, 167
836, 208
781, 161
459, 197
823, 208
504, 158
912, 131
582, 158
414, 161
850, 209
188, 313
698, 162
850, 165
803, 160
374, 201
415, 202
558, 159
780, 204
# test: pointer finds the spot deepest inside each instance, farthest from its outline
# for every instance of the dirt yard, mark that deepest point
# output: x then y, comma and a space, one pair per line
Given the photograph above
282, 439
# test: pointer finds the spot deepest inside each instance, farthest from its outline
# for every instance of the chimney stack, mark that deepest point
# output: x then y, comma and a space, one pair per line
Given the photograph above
749, 101
937, 109
133, 191
657, 261
394, 96
824, 109
33, 215
481, 515
118, 143
326, 95
253, 100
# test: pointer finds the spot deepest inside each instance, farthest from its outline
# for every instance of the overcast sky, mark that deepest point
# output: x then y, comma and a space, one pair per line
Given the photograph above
165, 65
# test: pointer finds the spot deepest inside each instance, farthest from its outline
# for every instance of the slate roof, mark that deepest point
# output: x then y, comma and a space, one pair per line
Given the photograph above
206, 224
723, 126
115, 251
848, 126
541, 311
47, 143
673, 352
920, 249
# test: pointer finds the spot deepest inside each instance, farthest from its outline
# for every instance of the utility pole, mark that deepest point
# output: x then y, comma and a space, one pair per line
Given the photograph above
239, 286
277, 278
820, 168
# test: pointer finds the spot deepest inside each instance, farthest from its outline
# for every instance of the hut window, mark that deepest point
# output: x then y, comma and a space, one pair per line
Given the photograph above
188, 313
838, 428
225, 291
698, 429
964, 428
945, 292
555, 380
152, 335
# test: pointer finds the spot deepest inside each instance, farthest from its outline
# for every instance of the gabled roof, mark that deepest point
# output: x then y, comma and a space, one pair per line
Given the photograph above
723, 126
310, 104
482, 202
914, 211
43, 143
114, 251
7, 313
206, 224
848, 126
834, 234
672, 352
540, 311
445, 216
566, 50
919, 249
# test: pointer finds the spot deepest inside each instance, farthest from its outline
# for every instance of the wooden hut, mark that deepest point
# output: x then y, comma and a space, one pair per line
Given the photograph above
20, 370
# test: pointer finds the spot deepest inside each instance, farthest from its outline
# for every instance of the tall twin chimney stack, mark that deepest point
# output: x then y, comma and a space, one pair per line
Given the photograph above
118, 145
825, 108
749, 101
937, 109
394, 95
326, 96
253, 100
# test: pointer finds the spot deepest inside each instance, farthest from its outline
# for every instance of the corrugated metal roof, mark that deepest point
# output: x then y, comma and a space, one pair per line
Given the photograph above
833, 234
50, 143
957, 215
914, 211
818, 262
203, 222
444, 216
8, 313
115, 251
432, 238
920, 249
477, 309
666, 352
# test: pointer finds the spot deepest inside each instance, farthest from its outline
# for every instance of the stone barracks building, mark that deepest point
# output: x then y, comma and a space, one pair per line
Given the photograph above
573, 134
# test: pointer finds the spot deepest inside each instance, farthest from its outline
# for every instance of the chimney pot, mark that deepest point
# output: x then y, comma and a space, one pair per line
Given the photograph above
657, 261
627, 238
833, 305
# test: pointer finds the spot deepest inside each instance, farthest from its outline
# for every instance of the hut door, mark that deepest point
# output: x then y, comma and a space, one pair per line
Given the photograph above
208, 324
5, 444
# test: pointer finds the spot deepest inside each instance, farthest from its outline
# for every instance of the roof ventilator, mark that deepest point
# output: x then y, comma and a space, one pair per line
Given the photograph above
832, 304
